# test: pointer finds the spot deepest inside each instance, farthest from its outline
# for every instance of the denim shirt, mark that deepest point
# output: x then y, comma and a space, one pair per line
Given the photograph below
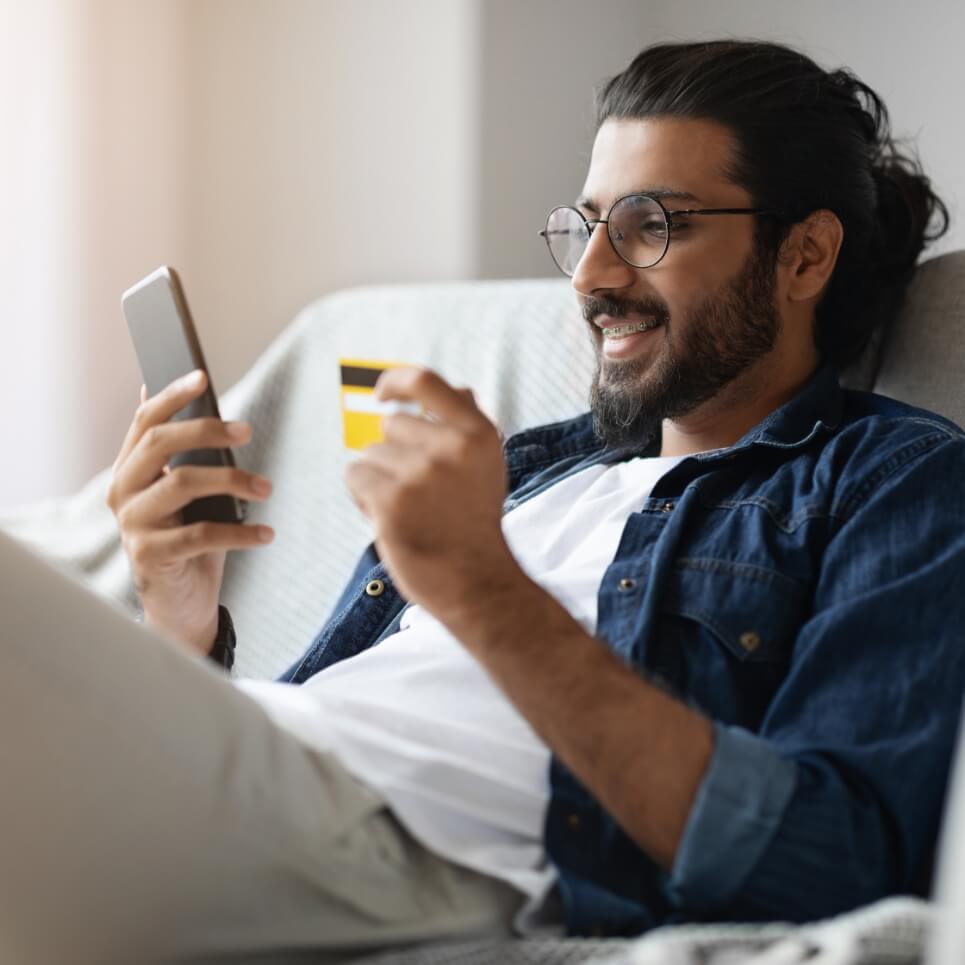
803, 588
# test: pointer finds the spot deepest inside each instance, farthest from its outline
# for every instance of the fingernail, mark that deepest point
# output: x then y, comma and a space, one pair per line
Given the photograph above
265, 534
261, 486
193, 380
237, 430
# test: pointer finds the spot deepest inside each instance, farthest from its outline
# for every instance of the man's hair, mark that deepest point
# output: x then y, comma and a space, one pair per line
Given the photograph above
806, 139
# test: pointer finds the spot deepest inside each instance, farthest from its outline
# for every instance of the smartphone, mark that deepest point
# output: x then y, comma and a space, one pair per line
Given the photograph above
167, 347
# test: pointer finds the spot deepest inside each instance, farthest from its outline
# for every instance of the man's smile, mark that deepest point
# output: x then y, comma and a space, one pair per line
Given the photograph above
621, 331
625, 335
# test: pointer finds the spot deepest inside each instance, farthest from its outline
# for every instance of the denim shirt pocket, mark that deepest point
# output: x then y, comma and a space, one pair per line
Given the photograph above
725, 633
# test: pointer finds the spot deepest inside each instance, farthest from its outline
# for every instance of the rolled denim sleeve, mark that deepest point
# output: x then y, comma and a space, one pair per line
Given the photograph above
746, 789
836, 800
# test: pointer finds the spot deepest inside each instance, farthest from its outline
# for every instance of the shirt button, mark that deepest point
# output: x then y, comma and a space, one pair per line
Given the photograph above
375, 588
667, 506
626, 584
572, 821
750, 641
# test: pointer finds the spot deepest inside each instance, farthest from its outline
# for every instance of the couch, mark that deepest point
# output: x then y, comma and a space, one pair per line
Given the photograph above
522, 347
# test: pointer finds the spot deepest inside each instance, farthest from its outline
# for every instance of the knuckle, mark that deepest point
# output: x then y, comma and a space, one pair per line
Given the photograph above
479, 427
152, 437
137, 551
424, 378
203, 532
412, 485
123, 514
352, 476
483, 433
395, 500
180, 479
197, 433
215, 430
390, 426
193, 534
463, 446
428, 466
142, 416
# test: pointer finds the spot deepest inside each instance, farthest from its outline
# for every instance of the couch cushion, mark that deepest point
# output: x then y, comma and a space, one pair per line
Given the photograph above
923, 361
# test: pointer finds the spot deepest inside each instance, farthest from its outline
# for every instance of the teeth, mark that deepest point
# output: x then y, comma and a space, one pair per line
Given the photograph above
621, 331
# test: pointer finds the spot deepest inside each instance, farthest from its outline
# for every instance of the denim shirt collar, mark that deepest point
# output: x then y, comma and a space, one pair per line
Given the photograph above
818, 406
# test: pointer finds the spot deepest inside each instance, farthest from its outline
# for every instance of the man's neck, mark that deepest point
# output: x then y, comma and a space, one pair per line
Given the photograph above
731, 414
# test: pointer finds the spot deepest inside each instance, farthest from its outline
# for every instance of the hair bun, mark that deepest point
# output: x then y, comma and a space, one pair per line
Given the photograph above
910, 214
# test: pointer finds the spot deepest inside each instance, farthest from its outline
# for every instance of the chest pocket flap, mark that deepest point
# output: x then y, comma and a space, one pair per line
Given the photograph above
753, 611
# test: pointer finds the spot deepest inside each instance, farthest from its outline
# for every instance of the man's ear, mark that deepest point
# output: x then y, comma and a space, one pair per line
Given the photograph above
808, 255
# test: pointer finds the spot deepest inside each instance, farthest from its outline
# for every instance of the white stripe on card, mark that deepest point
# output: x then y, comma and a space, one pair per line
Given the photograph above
367, 402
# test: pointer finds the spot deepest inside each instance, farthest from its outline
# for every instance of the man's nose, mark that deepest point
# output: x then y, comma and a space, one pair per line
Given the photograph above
600, 266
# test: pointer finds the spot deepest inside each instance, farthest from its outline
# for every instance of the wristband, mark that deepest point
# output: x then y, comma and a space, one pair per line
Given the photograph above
223, 652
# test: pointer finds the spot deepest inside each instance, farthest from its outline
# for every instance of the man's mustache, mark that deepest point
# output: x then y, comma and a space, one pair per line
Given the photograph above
622, 307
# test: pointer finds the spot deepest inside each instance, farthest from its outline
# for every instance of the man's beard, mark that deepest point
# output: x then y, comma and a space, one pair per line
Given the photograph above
715, 342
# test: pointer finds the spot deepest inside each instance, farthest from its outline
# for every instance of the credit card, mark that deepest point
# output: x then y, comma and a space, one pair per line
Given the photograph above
361, 412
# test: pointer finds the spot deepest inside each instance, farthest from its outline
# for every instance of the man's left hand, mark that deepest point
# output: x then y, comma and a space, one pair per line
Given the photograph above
434, 492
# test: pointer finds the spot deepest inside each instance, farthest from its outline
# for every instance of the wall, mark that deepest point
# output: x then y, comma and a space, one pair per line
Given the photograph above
541, 60
910, 53
91, 188
255, 144
333, 144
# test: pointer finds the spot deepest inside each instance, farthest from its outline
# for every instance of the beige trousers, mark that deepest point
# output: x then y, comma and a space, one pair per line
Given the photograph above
151, 812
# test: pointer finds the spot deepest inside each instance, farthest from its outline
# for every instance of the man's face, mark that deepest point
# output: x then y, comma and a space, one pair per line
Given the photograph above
713, 298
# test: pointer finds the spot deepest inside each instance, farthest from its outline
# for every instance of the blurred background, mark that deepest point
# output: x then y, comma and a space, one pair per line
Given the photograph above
264, 147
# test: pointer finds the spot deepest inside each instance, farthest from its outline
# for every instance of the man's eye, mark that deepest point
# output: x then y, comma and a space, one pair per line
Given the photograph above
653, 228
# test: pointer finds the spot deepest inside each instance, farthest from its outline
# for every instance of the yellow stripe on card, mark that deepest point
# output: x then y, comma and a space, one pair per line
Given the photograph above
361, 412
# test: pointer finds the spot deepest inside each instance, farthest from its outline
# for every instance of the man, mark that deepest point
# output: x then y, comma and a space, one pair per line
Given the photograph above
692, 656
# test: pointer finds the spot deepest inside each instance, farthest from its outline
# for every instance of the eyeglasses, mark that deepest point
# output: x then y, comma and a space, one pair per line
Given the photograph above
639, 228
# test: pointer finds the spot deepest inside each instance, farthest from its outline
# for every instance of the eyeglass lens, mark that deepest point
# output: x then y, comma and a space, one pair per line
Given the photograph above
637, 227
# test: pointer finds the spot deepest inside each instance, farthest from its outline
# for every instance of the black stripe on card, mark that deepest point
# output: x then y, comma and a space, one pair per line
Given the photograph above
361, 377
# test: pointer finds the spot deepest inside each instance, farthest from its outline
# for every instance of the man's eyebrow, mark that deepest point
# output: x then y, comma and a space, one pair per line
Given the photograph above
660, 194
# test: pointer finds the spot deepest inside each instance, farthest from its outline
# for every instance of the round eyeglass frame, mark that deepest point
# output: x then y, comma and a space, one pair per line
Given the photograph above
668, 215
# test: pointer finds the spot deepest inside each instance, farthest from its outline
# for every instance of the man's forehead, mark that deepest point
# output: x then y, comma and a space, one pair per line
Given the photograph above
675, 159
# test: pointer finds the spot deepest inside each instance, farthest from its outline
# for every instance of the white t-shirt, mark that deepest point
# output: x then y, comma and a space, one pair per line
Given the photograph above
418, 720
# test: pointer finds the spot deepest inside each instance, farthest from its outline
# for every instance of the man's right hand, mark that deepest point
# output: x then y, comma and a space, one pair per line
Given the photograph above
178, 569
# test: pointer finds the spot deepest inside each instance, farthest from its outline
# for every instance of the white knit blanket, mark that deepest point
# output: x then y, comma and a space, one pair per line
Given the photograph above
521, 346
894, 931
